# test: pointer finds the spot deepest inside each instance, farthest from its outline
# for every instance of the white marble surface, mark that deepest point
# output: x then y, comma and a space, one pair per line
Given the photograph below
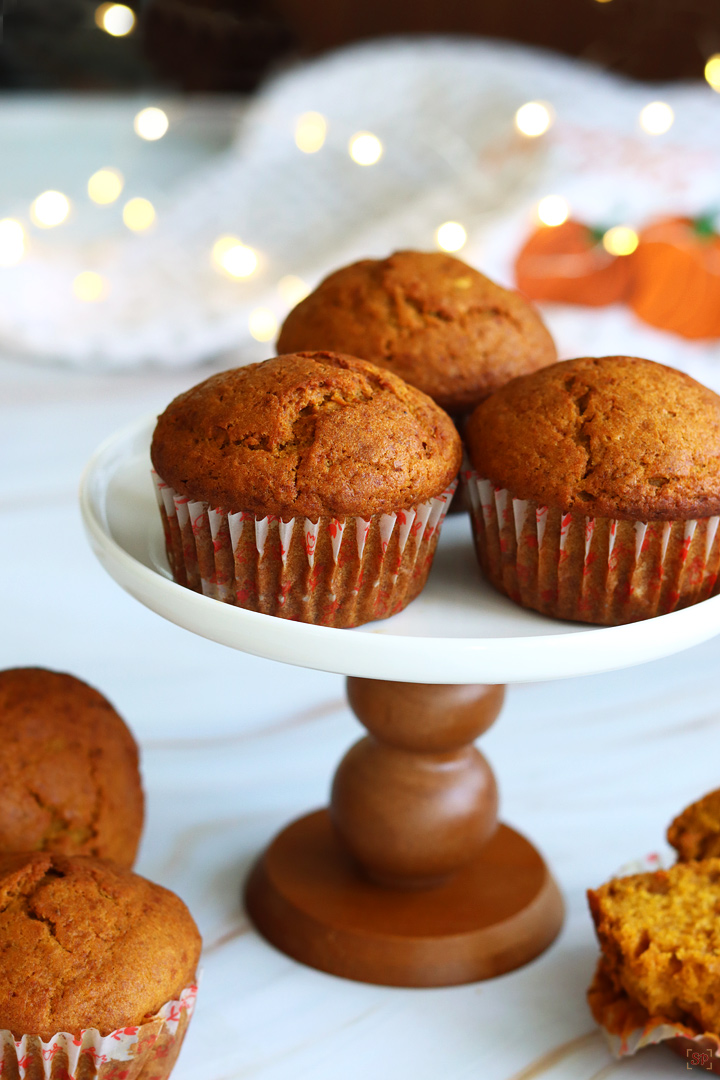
234, 746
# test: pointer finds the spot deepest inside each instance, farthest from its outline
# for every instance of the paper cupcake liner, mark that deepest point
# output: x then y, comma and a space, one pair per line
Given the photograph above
590, 569
335, 572
147, 1052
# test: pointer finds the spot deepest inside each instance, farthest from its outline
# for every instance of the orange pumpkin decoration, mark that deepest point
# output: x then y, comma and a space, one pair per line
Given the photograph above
676, 277
568, 263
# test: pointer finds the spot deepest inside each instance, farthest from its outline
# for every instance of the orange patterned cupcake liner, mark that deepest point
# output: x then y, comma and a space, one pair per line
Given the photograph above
335, 572
590, 569
146, 1052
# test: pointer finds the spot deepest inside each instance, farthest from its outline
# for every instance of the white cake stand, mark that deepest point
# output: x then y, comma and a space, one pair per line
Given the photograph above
407, 879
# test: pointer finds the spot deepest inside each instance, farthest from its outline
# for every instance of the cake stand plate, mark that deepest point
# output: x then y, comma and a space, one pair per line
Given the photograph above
407, 879
459, 630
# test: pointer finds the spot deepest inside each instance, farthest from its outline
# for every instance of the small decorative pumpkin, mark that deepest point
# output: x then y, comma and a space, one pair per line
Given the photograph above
567, 263
676, 277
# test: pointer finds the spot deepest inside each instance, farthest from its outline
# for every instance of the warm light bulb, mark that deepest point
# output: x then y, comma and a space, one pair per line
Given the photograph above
12, 242
451, 236
365, 149
50, 209
89, 286
138, 214
235, 258
151, 124
105, 185
656, 118
292, 289
262, 324
553, 210
310, 132
533, 119
115, 19
620, 240
712, 71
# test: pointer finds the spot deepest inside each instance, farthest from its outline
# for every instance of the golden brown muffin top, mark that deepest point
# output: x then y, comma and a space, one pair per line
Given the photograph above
695, 833
84, 943
69, 776
614, 436
660, 939
310, 434
428, 317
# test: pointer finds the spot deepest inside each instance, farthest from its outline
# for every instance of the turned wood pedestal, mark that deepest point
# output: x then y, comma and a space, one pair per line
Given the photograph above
408, 879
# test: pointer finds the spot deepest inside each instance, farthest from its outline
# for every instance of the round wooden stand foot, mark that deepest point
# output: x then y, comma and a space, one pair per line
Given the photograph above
307, 896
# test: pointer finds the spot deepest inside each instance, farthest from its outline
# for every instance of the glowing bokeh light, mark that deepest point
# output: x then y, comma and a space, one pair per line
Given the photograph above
620, 240
310, 132
151, 124
90, 287
50, 209
235, 258
12, 242
533, 119
365, 148
292, 289
712, 71
451, 236
115, 19
553, 210
138, 214
656, 118
262, 324
105, 186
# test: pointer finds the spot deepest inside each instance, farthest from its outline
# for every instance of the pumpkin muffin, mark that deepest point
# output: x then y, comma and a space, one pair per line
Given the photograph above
660, 949
695, 833
596, 489
69, 776
311, 486
429, 318
86, 944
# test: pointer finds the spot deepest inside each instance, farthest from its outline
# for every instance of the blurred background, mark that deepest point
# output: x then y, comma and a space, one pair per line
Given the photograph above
177, 174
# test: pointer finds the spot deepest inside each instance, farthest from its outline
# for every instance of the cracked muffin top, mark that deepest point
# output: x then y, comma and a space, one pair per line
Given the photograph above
428, 317
695, 833
85, 943
69, 776
614, 436
307, 434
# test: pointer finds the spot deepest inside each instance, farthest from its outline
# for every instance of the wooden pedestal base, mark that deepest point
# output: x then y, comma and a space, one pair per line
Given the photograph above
307, 896
408, 879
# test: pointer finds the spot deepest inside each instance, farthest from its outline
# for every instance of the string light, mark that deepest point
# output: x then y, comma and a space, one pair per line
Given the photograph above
12, 242
365, 148
553, 210
292, 289
151, 124
115, 19
620, 240
105, 185
262, 324
50, 209
90, 287
451, 236
656, 118
533, 119
310, 132
235, 258
138, 214
712, 72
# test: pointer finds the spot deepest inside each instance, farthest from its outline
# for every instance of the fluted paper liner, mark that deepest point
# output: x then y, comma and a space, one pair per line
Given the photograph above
590, 569
336, 571
146, 1052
